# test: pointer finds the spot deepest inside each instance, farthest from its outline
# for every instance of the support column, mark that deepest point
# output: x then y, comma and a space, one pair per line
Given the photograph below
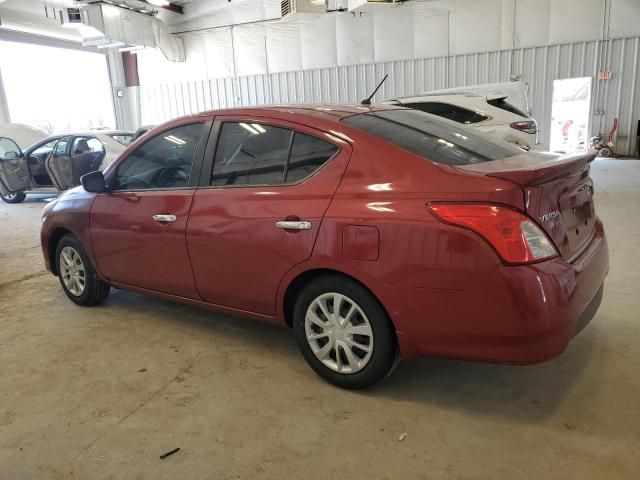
4, 106
125, 86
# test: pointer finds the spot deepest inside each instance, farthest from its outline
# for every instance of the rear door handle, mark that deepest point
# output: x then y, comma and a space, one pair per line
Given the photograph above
294, 225
165, 218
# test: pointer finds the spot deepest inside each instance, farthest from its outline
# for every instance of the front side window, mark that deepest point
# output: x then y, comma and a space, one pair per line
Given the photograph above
40, 154
164, 161
432, 137
260, 154
449, 111
8, 148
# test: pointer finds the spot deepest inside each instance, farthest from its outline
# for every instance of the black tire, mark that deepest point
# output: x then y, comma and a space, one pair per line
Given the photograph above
95, 290
605, 152
384, 355
14, 197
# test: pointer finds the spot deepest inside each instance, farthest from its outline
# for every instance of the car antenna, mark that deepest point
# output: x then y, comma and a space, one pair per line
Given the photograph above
367, 101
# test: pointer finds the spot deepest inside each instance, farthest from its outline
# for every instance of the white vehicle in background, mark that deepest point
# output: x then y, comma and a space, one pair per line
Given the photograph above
32, 162
488, 113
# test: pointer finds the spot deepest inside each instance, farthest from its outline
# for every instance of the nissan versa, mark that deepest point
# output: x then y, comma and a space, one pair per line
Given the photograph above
376, 233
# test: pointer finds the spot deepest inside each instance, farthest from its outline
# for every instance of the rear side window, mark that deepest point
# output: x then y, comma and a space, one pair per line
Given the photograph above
449, 111
260, 154
504, 105
86, 144
308, 154
432, 137
251, 154
62, 145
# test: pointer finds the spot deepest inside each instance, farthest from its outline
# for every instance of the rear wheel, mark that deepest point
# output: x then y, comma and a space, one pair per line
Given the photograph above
14, 197
78, 278
344, 333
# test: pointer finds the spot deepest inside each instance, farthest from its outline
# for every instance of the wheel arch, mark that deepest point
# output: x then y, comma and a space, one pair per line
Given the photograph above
304, 278
52, 244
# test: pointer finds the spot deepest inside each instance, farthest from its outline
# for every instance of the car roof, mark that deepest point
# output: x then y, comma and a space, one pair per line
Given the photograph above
326, 112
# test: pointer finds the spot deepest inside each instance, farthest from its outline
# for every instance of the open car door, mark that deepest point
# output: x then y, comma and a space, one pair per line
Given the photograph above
73, 157
14, 174
58, 164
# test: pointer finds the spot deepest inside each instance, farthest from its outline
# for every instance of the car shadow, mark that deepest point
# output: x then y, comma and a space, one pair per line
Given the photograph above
524, 394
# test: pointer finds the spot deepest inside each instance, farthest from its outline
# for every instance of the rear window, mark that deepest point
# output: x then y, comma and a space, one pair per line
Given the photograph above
504, 105
449, 111
432, 137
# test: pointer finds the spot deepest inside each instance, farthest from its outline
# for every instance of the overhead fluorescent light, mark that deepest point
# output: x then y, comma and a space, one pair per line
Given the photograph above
159, 3
250, 128
258, 127
174, 139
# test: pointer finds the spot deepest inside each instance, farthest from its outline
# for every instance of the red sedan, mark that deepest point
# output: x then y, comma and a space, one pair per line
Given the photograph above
376, 233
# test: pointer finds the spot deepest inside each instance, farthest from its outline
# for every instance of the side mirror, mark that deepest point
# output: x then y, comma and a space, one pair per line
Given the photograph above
93, 182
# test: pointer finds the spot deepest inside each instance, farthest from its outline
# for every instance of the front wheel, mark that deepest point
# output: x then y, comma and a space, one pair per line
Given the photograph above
344, 333
78, 278
14, 197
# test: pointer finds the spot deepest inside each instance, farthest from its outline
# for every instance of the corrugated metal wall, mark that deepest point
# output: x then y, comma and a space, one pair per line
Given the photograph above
538, 66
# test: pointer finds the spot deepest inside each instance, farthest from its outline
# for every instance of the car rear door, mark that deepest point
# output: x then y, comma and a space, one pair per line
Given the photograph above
58, 164
14, 174
259, 208
138, 226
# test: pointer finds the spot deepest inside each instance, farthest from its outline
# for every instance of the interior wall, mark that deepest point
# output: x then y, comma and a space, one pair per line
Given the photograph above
536, 66
260, 43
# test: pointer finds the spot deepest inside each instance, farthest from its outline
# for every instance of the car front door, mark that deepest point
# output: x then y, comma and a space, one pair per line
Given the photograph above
138, 226
14, 174
259, 208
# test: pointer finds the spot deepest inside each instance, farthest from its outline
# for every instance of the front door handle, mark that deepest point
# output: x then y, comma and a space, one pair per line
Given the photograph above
294, 225
165, 218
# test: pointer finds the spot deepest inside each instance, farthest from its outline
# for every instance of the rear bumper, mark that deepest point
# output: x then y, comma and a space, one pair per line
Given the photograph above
517, 314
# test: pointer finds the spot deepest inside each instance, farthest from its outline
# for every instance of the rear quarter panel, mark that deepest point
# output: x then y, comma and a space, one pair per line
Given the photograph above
389, 189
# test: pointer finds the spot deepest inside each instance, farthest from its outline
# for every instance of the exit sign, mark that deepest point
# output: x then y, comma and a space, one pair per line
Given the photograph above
604, 75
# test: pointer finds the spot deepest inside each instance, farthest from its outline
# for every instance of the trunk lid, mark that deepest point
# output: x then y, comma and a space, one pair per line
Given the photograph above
558, 194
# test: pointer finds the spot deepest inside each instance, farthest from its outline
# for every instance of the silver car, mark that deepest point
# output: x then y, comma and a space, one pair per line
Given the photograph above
489, 114
55, 163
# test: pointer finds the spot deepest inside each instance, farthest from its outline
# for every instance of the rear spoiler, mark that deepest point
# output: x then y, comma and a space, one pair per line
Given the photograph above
532, 168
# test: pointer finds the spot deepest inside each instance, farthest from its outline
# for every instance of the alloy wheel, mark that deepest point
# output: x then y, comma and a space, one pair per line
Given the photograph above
72, 271
339, 333
10, 196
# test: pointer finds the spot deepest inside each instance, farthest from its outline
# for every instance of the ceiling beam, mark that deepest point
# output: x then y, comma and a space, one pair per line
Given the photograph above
172, 7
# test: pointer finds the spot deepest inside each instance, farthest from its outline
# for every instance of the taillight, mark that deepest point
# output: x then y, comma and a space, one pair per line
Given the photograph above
526, 127
515, 237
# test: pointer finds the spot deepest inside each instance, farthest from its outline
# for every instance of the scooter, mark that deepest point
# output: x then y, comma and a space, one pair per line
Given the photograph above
605, 149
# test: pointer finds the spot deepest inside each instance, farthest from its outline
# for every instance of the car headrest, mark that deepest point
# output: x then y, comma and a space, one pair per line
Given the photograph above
81, 146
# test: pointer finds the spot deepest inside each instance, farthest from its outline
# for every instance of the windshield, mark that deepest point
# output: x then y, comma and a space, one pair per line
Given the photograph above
434, 138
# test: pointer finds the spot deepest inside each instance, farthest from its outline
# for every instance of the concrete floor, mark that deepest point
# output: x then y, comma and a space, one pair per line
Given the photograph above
102, 392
